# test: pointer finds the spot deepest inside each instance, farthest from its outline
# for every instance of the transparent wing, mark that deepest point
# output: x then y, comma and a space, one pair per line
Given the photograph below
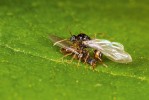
63, 43
112, 50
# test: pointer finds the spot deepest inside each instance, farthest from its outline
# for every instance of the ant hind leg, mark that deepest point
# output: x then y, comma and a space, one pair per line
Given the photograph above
73, 57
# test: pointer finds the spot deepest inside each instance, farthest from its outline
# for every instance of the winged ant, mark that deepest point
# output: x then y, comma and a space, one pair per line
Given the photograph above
77, 47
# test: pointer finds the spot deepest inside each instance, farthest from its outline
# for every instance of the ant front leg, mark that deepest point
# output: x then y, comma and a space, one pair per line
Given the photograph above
64, 51
60, 41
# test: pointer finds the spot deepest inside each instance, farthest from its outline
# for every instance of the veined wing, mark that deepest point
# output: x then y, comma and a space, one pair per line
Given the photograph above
112, 50
63, 43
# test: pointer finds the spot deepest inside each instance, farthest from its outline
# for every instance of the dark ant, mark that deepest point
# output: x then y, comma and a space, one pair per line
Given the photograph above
78, 45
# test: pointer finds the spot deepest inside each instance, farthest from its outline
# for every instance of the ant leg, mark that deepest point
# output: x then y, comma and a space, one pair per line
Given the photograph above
72, 58
98, 55
86, 58
95, 36
79, 62
94, 64
101, 34
70, 61
59, 41
104, 65
101, 61
66, 55
70, 33
99, 58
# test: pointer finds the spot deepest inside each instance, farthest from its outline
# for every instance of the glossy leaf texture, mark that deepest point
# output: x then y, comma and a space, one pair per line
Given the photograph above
31, 68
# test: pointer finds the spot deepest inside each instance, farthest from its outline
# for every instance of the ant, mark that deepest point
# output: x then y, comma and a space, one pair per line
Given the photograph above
78, 45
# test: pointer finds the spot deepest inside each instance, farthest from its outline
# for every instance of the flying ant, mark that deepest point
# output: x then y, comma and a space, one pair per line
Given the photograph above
78, 44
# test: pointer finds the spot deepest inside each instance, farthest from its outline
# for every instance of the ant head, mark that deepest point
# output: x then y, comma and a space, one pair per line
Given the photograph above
73, 38
83, 37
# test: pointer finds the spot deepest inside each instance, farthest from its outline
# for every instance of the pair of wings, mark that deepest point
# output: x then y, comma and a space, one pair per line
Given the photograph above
112, 50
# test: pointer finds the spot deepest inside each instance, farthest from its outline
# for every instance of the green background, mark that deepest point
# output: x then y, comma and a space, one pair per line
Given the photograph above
31, 69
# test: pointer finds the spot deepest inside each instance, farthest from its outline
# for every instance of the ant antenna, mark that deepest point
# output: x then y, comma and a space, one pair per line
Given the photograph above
70, 33
95, 35
68, 28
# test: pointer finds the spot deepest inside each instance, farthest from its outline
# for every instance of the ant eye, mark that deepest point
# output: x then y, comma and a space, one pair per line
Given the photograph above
80, 38
85, 38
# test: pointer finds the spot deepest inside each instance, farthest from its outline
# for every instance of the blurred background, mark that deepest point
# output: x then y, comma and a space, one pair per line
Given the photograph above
30, 68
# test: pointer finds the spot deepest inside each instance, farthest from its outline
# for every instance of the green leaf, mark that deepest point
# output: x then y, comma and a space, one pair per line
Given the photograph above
31, 68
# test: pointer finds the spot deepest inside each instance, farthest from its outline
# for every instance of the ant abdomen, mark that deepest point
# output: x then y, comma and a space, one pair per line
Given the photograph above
91, 62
